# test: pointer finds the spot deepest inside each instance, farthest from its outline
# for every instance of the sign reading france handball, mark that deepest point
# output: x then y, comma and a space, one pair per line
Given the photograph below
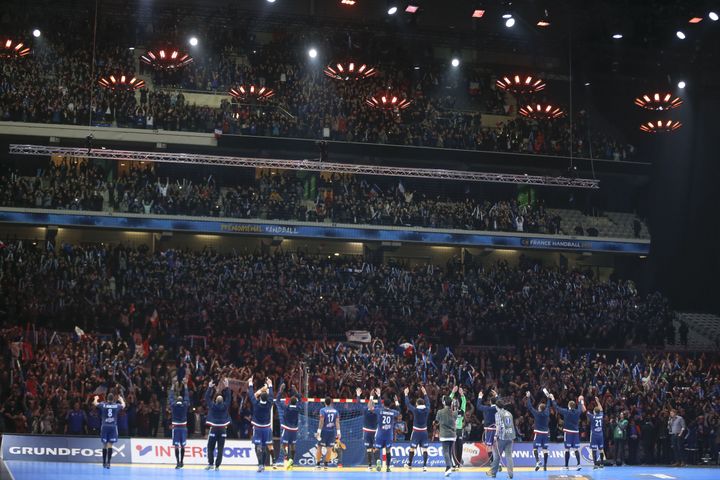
158, 451
52, 448
166, 223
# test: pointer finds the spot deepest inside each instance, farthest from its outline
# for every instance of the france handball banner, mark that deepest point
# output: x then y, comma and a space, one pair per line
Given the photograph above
155, 450
167, 223
51, 448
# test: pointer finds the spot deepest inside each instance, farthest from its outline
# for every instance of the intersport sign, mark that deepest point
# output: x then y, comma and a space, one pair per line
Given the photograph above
155, 450
51, 448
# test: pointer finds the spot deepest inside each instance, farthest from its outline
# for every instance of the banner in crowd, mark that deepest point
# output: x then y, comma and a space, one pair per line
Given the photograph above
163, 223
159, 450
52, 448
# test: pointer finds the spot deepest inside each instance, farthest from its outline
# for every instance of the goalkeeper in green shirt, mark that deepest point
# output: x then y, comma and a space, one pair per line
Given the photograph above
459, 407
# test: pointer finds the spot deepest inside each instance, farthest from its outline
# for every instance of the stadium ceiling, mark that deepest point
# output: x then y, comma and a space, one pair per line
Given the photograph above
306, 165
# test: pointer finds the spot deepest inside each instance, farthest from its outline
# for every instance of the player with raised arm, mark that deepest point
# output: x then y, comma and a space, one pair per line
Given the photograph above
289, 425
109, 411
460, 407
571, 427
541, 430
597, 436
369, 426
218, 418
419, 437
386, 429
179, 410
262, 422
328, 431
488, 413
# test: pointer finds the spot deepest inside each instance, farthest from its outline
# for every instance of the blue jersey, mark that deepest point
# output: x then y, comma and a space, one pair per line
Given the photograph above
109, 413
76, 420
291, 413
331, 420
420, 414
542, 419
386, 419
369, 418
218, 413
571, 417
179, 409
488, 413
596, 424
262, 412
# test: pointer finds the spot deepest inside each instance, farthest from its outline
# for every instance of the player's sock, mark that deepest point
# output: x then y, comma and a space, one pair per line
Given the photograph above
545, 458
411, 455
577, 457
594, 455
270, 456
387, 458
292, 452
182, 455
177, 455
425, 458
109, 455
602, 457
567, 458
370, 457
104, 456
537, 456
259, 453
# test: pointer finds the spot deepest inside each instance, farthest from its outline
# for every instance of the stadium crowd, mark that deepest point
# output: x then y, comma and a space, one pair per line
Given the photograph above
81, 185
446, 110
141, 319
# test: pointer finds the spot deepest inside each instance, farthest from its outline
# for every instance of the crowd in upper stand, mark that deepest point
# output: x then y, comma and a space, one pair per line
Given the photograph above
146, 318
80, 185
54, 85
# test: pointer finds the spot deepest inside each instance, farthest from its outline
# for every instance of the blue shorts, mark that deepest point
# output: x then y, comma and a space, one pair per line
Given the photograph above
383, 439
572, 440
179, 436
108, 434
262, 436
288, 436
368, 439
541, 440
597, 442
489, 436
419, 438
327, 438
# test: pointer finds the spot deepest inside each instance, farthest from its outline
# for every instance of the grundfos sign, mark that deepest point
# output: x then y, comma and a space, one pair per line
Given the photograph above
45, 448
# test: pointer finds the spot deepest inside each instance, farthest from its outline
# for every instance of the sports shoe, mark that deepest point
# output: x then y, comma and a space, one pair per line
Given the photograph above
448, 472
544, 468
387, 469
274, 466
602, 466
325, 467
217, 468
578, 468
537, 466
106, 466
424, 469
177, 467
370, 468
378, 465
407, 466
500, 468
210, 467
595, 467
318, 467
261, 468
490, 474
182, 464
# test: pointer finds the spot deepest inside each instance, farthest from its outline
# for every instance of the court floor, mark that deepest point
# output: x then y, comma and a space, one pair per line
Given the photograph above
80, 471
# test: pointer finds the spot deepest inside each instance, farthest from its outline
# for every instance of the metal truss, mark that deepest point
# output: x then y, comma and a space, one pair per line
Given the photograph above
306, 164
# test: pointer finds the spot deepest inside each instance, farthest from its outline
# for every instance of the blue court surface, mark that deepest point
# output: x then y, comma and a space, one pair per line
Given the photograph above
79, 471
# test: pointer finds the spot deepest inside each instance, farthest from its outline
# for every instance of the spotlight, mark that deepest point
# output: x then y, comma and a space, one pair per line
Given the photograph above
478, 13
36, 33
507, 15
347, 2
455, 62
545, 20
680, 34
392, 10
411, 8
312, 53
271, 1
695, 20
681, 84
587, 84
510, 22
617, 36
713, 16
417, 67
193, 41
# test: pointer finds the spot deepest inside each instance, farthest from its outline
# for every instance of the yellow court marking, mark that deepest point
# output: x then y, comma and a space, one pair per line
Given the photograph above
252, 468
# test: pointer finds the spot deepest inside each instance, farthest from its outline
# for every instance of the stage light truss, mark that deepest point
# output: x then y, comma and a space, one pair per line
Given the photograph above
306, 165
